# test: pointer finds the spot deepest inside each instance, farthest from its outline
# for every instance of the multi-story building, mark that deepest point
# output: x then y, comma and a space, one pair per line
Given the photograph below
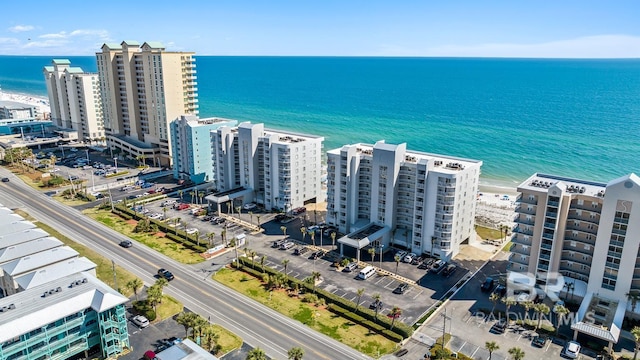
17, 110
191, 146
74, 97
143, 89
589, 233
422, 202
61, 318
278, 169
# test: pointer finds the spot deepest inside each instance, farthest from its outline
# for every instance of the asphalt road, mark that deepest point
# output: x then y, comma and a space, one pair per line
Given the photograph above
258, 325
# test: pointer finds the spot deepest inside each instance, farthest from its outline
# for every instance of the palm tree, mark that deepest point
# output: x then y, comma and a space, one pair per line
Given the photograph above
256, 354
134, 285
210, 338
303, 230
313, 238
360, 292
372, 252
223, 236
164, 213
333, 238
395, 313
636, 337
285, 262
258, 220
284, 230
516, 353
508, 302
154, 295
541, 309
238, 209
569, 286
211, 238
180, 193
376, 297
263, 258
295, 353
176, 221
201, 195
315, 276
560, 312
192, 195
633, 296
161, 283
250, 217
186, 319
491, 346
397, 260
527, 305
494, 298
198, 326
234, 243
505, 230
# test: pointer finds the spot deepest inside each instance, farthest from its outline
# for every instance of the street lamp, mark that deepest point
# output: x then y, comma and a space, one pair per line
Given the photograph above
93, 181
87, 151
381, 246
115, 161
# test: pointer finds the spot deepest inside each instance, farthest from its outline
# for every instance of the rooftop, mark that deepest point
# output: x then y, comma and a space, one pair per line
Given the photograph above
185, 350
38, 260
14, 105
542, 182
41, 305
54, 272
12, 239
27, 248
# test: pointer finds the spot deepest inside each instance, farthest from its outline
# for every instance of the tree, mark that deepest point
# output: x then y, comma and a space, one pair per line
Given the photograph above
176, 222
258, 220
527, 305
154, 295
192, 195
186, 319
569, 286
541, 309
491, 346
263, 258
238, 209
333, 238
560, 312
234, 243
256, 354
376, 297
516, 353
161, 283
180, 193
372, 252
494, 298
210, 339
508, 303
303, 230
223, 236
397, 260
295, 353
211, 238
313, 238
505, 230
201, 195
315, 276
135, 285
250, 217
285, 263
395, 313
636, 337
284, 231
633, 296
360, 292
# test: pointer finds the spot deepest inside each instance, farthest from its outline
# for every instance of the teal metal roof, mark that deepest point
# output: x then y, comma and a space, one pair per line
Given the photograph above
113, 45
155, 44
131, 43
61, 61
75, 70
48, 68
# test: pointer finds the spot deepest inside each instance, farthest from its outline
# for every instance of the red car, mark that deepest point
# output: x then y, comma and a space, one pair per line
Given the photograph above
182, 206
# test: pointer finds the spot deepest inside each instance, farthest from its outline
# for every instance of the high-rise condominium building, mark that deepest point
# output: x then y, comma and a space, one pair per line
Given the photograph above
74, 97
589, 233
281, 170
143, 89
386, 195
191, 145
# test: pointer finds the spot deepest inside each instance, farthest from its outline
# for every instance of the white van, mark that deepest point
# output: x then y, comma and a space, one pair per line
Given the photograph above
366, 272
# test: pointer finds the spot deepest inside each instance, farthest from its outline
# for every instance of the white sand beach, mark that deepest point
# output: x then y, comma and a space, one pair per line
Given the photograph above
495, 206
41, 102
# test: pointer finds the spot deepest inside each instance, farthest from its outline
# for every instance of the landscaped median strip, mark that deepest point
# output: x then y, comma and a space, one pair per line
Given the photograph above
316, 308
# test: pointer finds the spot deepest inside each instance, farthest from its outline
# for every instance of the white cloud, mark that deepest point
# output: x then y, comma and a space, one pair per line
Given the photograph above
60, 35
21, 28
599, 46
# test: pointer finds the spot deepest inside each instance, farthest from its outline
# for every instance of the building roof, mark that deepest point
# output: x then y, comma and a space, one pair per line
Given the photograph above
61, 61
49, 68
27, 248
14, 105
16, 226
131, 43
11, 239
44, 304
600, 317
112, 45
185, 350
542, 182
360, 238
75, 70
54, 272
155, 44
10, 218
38, 260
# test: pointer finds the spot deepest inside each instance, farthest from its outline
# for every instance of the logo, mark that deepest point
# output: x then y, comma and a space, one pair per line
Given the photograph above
529, 287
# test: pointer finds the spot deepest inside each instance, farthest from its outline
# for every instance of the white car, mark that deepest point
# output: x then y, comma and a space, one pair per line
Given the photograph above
571, 350
191, 231
407, 258
140, 321
313, 228
249, 206
401, 254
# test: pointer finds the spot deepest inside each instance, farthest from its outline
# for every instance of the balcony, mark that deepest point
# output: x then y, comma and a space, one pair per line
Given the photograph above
523, 220
518, 249
587, 219
520, 230
525, 200
546, 246
517, 258
549, 225
520, 240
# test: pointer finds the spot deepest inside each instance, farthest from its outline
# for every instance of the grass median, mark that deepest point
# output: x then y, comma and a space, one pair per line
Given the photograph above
316, 317
155, 241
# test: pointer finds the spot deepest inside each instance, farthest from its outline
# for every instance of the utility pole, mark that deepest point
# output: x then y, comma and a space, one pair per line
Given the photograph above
444, 325
115, 278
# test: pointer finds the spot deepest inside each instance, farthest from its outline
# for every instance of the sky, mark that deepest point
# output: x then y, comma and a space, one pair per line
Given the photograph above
430, 28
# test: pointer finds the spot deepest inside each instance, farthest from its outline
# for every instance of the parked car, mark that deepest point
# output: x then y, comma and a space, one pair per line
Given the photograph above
165, 274
438, 266
401, 288
571, 350
376, 304
299, 210
450, 269
417, 260
313, 228
500, 290
350, 267
409, 257
316, 255
500, 326
249, 206
487, 285
126, 243
401, 254
426, 263
300, 250
140, 321
539, 341
181, 206
287, 245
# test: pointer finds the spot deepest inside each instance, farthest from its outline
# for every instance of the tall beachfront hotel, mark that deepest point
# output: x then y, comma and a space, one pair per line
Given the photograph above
74, 97
143, 89
191, 146
281, 170
588, 232
385, 195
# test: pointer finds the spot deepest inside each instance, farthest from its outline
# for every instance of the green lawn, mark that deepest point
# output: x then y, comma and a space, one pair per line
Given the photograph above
159, 243
228, 340
317, 318
488, 233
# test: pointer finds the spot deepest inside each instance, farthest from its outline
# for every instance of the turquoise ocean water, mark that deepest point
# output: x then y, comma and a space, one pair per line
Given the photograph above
578, 118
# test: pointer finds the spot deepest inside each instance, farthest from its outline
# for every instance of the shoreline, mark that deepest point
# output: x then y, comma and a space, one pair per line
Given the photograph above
42, 103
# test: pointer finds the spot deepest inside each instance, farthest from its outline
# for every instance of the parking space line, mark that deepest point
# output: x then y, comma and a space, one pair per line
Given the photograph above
418, 294
378, 282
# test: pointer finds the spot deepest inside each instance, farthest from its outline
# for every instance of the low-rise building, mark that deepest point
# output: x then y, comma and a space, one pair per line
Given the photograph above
17, 110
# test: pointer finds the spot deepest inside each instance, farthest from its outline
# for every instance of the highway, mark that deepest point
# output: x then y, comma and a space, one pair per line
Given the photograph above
258, 325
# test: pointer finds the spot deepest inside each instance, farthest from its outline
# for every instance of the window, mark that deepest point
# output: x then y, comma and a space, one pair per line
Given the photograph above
572, 243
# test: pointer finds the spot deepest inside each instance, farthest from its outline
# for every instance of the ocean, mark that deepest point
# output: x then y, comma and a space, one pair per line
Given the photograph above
576, 118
